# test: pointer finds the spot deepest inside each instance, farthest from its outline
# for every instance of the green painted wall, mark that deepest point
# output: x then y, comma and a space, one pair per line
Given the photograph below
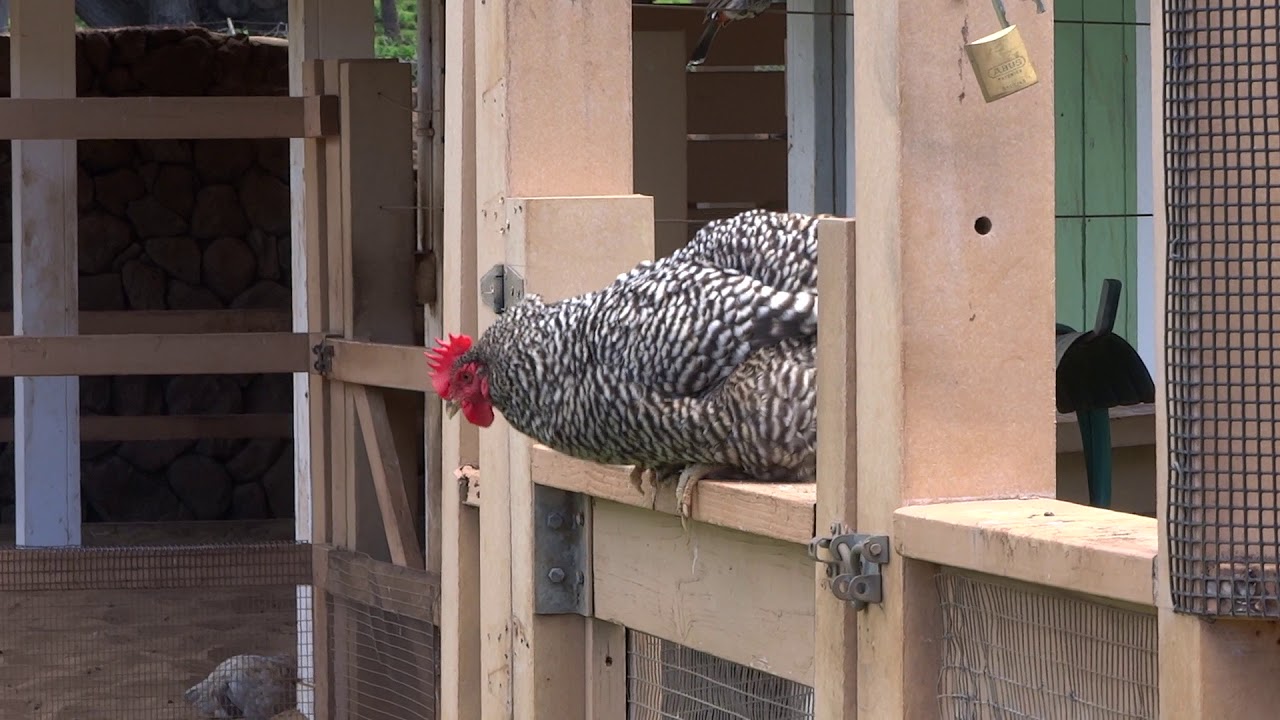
1097, 179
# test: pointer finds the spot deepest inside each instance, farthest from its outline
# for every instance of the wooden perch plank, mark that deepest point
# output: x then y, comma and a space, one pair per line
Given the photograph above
176, 354
168, 118
1042, 541
149, 322
783, 511
388, 478
402, 367
129, 428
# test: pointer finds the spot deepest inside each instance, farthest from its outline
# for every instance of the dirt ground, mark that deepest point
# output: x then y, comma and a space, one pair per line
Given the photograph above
129, 655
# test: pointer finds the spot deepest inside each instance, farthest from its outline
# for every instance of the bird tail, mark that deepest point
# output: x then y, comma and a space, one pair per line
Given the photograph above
704, 42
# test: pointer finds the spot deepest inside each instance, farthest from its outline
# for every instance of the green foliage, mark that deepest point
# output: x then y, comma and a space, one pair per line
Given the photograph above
406, 48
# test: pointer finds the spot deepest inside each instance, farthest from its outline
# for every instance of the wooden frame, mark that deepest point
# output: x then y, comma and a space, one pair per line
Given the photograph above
168, 118
165, 354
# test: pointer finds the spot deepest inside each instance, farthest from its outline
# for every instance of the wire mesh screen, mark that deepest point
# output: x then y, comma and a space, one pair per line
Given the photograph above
151, 633
382, 644
668, 681
1222, 156
1015, 651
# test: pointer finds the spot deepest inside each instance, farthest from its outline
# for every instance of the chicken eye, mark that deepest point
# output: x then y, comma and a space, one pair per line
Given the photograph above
464, 377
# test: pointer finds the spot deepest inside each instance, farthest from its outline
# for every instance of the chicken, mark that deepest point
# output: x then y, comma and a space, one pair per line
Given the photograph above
692, 364
253, 687
719, 14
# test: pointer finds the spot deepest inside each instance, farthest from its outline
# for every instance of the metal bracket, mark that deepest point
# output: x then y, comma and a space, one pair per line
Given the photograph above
560, 553
324, 355
500, 288
853, 563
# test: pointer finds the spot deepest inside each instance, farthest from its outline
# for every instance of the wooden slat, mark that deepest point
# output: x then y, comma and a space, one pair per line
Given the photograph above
835, 621
177, 354
167, 118
385, 468
155, 322
1042, 541
155, 567
738, 170
380, 365
460, 678
740, 597
748, 102
410, 592
130, 428
783, 511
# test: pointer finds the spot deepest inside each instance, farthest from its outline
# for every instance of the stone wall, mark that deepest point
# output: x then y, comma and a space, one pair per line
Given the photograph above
177, 225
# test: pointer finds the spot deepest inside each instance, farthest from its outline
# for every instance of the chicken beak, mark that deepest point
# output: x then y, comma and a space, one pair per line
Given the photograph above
450, 408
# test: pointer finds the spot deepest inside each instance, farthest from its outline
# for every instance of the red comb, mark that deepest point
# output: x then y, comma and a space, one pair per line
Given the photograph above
440, 360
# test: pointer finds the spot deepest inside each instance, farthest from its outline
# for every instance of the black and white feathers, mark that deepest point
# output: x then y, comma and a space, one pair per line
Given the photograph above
719, 14
705, 357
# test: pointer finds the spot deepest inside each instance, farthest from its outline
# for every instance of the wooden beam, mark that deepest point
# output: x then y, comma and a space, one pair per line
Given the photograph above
133, 428
460, 679
379, 365
388, 477
783, 511
377, 585
1042, 541
168, 118
155, 322
154, 567
945, 305
319, 30
638, 557
835, 621
177, 354
45, 291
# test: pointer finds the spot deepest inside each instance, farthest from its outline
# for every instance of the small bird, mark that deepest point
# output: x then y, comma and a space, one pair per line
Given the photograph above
719, 14
253, 687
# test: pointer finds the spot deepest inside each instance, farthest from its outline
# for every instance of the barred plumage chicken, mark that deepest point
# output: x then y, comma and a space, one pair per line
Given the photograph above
698, 363
719, 14
252, 687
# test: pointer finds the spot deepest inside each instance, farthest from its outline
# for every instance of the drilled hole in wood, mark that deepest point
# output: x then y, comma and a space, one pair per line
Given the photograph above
982, 225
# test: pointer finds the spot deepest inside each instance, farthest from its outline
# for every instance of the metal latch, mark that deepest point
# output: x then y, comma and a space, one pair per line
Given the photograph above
500, 288
853, 563
324, 355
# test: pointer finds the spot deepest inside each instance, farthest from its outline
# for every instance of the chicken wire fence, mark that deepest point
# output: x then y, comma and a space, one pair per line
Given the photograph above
668, 681
150, 632
382, 643
1222, 159
1012, 650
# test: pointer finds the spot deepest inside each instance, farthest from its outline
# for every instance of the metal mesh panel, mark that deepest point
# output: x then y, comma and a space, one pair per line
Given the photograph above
1222, 156
1015, 651
134, 632
382, 643
668, 681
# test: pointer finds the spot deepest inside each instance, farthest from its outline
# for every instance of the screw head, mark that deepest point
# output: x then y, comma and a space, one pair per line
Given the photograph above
556, 575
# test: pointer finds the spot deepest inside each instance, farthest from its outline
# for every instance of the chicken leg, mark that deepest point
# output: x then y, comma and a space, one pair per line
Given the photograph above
684, 488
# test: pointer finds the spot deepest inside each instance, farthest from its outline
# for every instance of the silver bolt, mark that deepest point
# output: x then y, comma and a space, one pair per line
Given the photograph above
875, 548
556, 575
555, 521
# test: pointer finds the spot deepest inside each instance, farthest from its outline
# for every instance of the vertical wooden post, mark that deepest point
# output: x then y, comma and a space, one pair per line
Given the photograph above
318, 29
45, 284
954, 271
835, 622
460, 678
539, 133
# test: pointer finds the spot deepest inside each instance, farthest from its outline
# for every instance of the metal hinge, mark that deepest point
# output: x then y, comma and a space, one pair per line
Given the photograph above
500, 288
560, 553
324, 355
853, 563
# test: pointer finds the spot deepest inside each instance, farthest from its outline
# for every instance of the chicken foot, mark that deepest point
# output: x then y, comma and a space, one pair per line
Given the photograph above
689, 477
